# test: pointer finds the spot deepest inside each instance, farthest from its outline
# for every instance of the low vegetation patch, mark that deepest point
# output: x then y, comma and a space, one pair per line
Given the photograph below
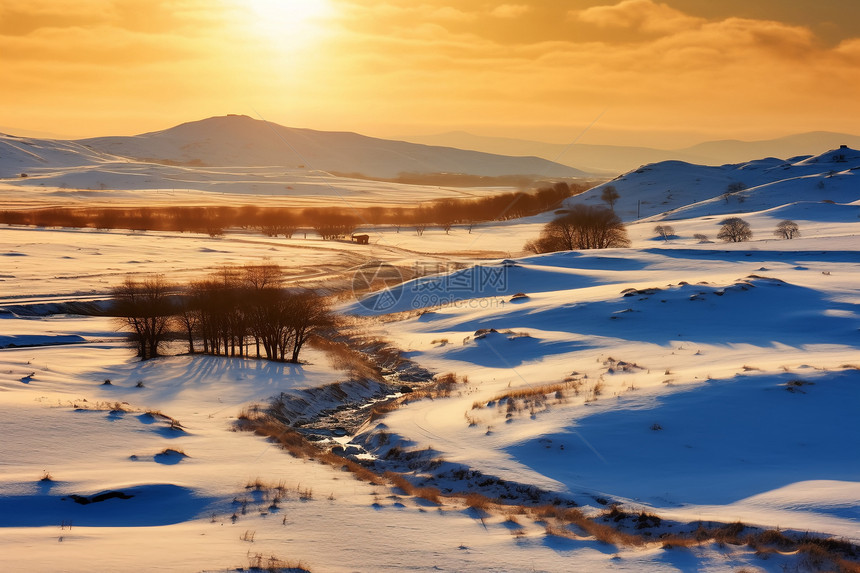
797, 385
272, 564
534, 399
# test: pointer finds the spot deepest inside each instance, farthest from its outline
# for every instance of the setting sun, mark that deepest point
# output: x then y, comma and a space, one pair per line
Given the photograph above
290, 24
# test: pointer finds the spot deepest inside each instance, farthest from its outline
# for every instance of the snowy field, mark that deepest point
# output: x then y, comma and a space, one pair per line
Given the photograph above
699, 381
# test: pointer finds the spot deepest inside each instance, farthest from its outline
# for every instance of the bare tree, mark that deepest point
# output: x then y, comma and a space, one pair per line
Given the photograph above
582, 227
733, 188
610, 196
664, 231
701, 238
187, 317
308, 314
145, 307
787, 229
734, 230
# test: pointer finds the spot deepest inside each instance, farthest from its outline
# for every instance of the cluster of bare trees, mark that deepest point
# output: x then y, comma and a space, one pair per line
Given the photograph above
236, 311
329, 223
582, 227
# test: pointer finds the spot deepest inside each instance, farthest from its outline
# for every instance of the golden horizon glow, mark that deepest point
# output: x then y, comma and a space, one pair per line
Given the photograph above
650, 72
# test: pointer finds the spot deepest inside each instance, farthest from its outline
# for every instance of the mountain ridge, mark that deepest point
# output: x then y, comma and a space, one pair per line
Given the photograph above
235, 140
617, 159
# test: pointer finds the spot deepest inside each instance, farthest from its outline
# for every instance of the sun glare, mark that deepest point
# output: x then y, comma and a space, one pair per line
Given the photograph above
289, 24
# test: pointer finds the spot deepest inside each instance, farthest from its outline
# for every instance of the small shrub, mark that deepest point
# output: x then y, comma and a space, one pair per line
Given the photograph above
797, 385
664, 231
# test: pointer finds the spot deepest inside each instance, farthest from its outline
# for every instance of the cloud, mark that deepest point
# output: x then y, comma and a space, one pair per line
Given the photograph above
510, 11
642, 15
649, 65
451, 13
655, 68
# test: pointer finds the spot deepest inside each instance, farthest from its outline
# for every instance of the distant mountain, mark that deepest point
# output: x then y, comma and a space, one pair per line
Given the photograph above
615, 159
675, 189
735, 151
607, 159
236, 140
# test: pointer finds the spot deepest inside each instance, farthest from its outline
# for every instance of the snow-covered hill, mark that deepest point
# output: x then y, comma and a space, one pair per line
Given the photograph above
676, 190
20, 154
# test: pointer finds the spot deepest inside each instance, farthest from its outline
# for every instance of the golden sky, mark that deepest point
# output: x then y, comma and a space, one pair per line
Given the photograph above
644, 72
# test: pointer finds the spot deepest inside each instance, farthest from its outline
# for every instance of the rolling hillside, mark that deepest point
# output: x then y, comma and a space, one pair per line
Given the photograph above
676, 190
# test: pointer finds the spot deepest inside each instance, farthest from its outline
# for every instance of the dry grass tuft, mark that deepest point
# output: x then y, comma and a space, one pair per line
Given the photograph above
272, 564
480, 502
400, 482
430, 494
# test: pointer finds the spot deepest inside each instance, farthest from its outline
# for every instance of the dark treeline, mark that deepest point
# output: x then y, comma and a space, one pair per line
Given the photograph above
329, 223
236, 311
